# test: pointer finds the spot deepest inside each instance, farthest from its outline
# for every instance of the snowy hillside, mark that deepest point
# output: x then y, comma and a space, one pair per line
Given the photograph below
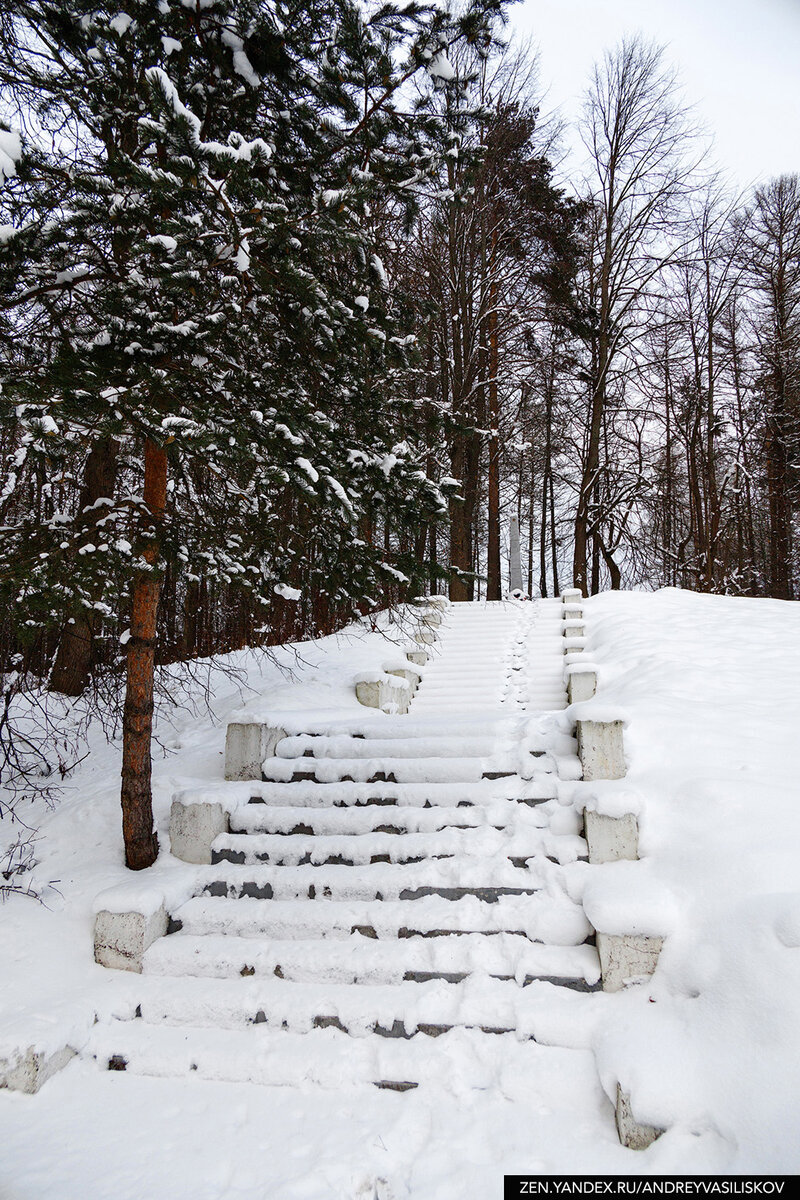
708, 1048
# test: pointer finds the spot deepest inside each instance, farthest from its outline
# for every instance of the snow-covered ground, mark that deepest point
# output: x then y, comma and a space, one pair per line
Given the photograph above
710, 1049
709, 689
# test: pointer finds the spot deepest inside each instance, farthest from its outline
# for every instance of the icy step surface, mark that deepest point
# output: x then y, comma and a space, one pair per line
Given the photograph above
361, 959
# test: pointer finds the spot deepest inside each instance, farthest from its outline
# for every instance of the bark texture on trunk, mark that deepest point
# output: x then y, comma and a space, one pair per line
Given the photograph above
493, 574
141, 843
73, 661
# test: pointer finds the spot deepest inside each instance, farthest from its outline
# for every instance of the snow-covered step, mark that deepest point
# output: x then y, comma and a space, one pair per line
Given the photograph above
386, 818
363, 770
537, 917
389, 907
539, 1010
451, 877
359, 958
462, 1058
314, 794
367, 818
360, 849
342, 746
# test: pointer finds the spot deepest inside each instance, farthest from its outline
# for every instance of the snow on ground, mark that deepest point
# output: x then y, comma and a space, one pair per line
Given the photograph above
49, 974
708, 687
710, 1048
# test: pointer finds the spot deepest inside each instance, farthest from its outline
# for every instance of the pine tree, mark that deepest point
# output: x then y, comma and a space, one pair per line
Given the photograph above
191, 276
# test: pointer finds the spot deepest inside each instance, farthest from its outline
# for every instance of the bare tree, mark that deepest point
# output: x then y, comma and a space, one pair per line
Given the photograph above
637, 132
772, 244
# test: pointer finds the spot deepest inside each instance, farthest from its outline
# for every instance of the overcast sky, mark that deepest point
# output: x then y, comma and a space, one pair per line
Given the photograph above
739, 60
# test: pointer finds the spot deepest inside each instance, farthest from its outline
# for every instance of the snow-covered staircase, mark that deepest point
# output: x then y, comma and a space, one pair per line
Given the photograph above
388, 908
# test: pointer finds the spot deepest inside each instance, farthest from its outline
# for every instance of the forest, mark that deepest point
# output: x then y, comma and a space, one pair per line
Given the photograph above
302, 302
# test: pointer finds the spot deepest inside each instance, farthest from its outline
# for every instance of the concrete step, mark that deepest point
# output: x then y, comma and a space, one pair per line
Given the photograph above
362, 959
380, 881
330, 1058
541, 1010
537, 917
368, 770
311, 793
342, 746
367, 818
361, 849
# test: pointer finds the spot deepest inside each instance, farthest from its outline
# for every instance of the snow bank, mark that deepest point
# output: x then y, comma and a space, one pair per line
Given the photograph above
707, 687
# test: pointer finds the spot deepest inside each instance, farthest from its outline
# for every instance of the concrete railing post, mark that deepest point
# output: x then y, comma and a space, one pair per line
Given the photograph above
611, 839
572, 606
194, 826
623, 957
424, 635
28, 1070
631, 1132
408, 673
121, 938
247, 744
380, 691
581, 682
600, 749
626, 958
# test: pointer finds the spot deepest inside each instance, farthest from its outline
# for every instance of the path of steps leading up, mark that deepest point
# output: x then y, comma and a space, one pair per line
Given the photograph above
387, 909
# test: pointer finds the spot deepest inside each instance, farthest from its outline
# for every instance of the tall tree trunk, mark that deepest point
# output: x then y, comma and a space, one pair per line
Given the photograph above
493, 574
580, 565
553, 538
460, 539
141, 843
73, 661
433, 561
780, 541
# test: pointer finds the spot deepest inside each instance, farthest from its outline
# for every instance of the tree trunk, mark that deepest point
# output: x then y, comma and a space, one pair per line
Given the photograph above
73, 661
460, 541
493, 573
141, 843
780, 542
